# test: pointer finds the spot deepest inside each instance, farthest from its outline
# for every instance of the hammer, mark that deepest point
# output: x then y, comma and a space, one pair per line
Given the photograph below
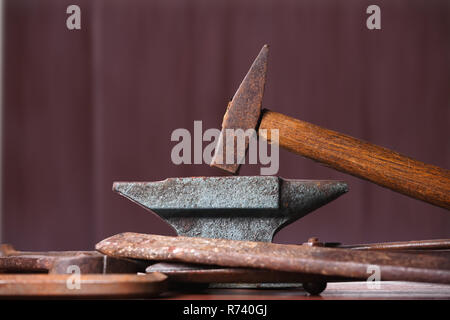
344, 153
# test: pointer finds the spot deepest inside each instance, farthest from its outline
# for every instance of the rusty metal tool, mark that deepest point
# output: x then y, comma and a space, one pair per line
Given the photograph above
435, 245
240, 208
185, 275
362, 159
181, 274
58, 262
89, 285
45, 274
198, 273
278, 257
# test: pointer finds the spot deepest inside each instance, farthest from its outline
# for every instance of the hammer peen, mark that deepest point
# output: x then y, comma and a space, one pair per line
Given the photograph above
344, 153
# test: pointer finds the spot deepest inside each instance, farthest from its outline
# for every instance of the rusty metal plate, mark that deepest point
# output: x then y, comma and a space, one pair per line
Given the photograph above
58, 262
279, 257
193, 273
91, 285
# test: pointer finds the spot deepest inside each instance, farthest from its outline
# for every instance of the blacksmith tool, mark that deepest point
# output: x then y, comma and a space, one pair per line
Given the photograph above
88, 285
379, 165
183, 275
47, 274
221, 276
239, 208
435, 245
308, 259
210, 276
58, 262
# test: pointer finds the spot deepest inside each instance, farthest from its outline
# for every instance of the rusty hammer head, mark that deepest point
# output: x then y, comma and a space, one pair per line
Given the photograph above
243, 112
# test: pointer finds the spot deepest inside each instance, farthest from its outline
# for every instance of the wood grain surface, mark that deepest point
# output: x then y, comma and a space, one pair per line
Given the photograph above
388, 290
362, 159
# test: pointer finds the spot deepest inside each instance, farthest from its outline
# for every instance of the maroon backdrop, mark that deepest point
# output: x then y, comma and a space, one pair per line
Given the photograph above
85, 108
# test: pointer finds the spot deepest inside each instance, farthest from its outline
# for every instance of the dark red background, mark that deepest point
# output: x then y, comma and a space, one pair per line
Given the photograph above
85, 108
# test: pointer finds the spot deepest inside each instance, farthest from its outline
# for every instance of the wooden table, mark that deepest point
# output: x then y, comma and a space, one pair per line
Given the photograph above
390, 290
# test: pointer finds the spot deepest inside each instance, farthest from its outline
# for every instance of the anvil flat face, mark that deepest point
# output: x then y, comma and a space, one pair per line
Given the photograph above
238, 208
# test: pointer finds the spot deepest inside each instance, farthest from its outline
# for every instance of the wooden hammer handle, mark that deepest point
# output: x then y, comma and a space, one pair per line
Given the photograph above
382, 166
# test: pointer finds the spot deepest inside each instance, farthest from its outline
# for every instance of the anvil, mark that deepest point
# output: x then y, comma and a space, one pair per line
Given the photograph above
237, 208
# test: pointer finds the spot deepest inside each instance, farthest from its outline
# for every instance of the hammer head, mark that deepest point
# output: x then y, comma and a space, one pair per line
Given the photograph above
243, 112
